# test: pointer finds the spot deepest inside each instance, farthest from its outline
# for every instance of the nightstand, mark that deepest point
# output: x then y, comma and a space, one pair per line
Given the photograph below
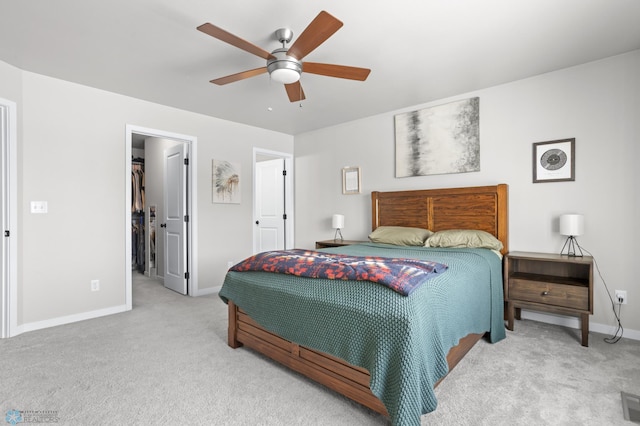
551, 283
336, 243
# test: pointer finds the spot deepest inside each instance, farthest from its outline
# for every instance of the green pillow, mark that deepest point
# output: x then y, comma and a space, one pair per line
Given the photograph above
400, 235
471, 238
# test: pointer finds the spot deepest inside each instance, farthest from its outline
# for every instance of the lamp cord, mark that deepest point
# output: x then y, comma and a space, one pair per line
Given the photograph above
615, 338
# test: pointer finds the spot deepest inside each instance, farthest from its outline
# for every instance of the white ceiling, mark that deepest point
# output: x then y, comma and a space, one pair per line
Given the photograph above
418, 50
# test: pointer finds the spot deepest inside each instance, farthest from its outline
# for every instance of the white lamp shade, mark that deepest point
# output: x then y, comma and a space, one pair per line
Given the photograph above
337, 221
572, 224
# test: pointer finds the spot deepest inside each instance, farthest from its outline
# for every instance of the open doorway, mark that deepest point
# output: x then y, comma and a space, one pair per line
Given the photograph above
272, 200
153, 214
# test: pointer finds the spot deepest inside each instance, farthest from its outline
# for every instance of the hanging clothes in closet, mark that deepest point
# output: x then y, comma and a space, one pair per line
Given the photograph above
137, 243
137, 215
137, 185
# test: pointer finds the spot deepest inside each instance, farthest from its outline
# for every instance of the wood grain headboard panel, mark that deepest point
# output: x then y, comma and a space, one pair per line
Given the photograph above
476, 207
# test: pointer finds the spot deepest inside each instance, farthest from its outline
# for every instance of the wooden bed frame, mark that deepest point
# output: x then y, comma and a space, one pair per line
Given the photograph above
484, 208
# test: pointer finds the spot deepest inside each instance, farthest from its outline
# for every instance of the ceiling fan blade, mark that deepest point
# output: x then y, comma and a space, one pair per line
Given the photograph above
295, 92
339, 71
239, 76
316, 33
233, 40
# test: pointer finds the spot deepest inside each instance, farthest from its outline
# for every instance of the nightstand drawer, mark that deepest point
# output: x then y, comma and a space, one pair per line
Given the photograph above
568, 296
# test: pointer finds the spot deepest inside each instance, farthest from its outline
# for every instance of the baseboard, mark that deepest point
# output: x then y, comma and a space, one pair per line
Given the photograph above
208, 290
53, 322
574, 322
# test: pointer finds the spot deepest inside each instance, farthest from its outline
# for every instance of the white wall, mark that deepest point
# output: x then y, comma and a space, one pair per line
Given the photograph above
597, 103
72, 155
10, 82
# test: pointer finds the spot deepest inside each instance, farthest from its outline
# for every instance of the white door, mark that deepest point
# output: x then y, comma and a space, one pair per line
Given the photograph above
176, 219
4, 247
269, 205
8, 214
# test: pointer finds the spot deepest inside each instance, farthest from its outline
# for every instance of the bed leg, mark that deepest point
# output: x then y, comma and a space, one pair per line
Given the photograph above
232, 340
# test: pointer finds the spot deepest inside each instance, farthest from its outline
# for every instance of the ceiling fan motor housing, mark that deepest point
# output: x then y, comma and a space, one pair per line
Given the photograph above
287, 68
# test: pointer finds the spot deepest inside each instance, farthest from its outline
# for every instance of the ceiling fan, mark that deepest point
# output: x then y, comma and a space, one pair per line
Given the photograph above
285, 65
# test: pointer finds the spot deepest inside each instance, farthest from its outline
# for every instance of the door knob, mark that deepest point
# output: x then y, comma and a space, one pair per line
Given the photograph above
163, 225
257, 222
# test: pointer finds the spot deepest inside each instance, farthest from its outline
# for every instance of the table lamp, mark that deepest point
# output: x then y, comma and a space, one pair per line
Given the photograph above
572, 225
337, 221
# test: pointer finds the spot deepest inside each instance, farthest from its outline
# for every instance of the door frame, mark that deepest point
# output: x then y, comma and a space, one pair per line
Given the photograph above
9, 216
192, 191
289, 194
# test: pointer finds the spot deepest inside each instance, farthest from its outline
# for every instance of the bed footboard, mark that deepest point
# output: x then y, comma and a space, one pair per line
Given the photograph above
334, 373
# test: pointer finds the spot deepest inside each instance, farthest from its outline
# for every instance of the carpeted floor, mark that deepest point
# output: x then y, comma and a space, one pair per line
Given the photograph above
166, 362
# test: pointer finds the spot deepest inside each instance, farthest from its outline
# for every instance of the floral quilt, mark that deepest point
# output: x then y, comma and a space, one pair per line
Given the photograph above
400, 275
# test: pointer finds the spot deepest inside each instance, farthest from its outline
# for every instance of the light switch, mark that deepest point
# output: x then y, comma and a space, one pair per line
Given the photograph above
38, 207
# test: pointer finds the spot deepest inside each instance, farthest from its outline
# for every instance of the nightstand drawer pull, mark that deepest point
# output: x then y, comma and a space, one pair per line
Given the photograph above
545, 293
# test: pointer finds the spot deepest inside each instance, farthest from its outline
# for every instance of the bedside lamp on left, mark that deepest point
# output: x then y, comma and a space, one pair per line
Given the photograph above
337, 222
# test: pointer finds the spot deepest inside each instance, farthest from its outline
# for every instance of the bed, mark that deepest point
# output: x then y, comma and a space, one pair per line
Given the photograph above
388, 362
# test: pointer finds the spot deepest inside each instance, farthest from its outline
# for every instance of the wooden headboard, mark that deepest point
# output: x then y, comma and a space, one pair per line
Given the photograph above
476, 207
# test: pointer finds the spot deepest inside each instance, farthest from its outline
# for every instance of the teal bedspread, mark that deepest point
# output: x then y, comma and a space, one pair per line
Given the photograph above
402, 341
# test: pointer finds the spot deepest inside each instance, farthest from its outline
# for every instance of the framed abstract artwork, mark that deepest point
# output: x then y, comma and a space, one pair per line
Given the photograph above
438, 140
554, 161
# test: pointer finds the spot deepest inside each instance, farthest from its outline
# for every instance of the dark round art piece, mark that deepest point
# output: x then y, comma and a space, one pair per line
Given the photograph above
553, 159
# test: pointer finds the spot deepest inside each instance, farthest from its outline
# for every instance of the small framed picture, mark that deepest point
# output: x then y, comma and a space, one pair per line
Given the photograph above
351, 180
554, 161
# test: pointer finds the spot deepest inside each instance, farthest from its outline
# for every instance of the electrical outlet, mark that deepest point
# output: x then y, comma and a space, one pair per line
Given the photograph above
95, 285
621, 297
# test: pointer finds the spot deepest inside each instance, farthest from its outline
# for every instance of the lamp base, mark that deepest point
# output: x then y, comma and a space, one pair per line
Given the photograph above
571, 245
338, 232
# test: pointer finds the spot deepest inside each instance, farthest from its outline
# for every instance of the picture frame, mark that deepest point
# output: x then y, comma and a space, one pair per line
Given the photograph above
351, 180
554, 161
225, 182
438, 140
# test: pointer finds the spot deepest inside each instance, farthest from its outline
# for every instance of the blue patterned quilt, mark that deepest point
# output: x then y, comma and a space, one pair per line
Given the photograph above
401, 340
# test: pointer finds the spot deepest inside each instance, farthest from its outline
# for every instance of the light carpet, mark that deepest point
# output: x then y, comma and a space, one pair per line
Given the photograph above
166, 362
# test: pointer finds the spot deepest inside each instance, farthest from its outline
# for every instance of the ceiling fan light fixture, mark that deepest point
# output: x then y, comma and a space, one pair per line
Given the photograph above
284, 69
285, 75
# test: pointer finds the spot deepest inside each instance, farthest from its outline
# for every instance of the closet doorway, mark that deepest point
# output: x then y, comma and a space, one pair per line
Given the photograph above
158, 245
